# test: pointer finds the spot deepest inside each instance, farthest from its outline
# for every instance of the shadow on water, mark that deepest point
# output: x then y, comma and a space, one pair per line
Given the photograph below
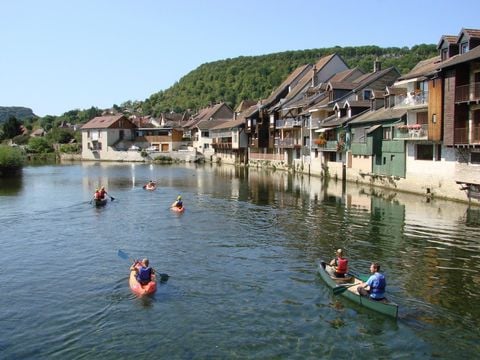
11, 184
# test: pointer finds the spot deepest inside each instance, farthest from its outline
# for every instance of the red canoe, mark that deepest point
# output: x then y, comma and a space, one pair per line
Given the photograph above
139, 289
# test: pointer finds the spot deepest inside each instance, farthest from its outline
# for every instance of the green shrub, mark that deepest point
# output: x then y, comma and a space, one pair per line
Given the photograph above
70, 148
39, 145
11, 157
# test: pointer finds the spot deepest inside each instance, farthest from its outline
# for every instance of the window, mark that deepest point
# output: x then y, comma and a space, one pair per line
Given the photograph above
438, 154
387, 133
367, 94
475, 158
444, 54
463, 48
424, 152
205, 134
434, 118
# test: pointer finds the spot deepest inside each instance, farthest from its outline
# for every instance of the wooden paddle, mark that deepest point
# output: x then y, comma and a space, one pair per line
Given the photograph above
358, 276
342, 288
125, 256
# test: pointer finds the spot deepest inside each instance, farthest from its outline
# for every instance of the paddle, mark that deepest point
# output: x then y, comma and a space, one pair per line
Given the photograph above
111, 197
358, 276
341, 288
125, 256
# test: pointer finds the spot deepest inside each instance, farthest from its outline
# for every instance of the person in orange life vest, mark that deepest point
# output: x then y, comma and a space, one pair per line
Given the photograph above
97, 195
103, 192
340, 264
144, 273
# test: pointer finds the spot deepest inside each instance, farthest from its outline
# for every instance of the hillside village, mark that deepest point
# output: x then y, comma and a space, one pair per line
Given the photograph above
416, 132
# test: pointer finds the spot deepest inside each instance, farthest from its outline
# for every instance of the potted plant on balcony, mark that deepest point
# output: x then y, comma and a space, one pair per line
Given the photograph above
321, 141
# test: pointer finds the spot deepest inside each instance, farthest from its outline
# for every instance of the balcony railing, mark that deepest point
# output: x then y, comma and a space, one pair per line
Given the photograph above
470, 92
411, 132
416, 99
287, 143
461, 135
288, 123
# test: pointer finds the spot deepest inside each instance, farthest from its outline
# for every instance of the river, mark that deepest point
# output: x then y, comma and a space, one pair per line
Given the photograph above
242, 261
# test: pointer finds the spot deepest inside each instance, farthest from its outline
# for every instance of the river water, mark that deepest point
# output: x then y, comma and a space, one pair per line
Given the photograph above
242, 261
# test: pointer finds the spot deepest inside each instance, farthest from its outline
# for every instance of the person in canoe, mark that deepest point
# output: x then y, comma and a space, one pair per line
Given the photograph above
375, 286
144, 273
103, 192
178, 203
339, 264
96, 195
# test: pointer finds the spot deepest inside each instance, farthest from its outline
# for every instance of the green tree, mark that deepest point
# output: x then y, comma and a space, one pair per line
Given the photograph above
59, 136
39, 145
11, 127
10, 158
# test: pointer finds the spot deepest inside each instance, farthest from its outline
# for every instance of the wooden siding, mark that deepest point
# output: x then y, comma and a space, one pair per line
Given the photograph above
435, 108
449, 108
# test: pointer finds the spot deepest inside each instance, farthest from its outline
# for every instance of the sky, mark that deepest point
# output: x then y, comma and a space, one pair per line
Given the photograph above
61, 55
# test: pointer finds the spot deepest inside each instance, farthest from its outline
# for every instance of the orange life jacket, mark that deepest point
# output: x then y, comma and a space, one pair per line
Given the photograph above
342, 266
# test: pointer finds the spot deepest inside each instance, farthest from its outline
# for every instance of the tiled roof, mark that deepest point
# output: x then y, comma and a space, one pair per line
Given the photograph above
285, 84
102, 122
423, 68
452, 39
379, 115
458, 59
470, 33
210, 124
230, 124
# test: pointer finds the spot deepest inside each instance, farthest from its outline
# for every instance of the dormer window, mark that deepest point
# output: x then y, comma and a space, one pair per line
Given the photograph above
464, 48
444, 54
367, 94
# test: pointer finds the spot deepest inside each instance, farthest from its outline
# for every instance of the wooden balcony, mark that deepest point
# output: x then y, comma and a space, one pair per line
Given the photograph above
467, 93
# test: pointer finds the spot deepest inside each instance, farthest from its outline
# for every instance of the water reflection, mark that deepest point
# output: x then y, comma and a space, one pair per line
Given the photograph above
11, 185
243, 264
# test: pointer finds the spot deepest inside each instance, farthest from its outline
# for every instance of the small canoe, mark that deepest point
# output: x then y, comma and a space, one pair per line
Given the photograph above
140, 289
100, 202
177, 209
385, 306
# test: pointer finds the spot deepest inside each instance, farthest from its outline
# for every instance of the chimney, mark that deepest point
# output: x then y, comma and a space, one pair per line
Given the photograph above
314, 76
377, 65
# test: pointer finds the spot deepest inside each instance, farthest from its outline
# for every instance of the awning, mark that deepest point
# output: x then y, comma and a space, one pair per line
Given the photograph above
324, 129
373, 128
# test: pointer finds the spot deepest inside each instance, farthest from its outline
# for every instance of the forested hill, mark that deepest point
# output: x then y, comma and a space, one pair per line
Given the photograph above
18, 111
255, 77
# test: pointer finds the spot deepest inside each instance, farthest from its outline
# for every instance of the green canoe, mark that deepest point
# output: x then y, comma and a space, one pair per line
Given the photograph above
348, 289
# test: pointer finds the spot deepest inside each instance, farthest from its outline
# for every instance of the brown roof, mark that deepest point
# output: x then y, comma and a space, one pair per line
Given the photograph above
393, 90
452, 39
285, 84
461, 58
204, 114
244, 105
230, 124
475, 33
210, 124
379, 115
423, 68
103, 122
